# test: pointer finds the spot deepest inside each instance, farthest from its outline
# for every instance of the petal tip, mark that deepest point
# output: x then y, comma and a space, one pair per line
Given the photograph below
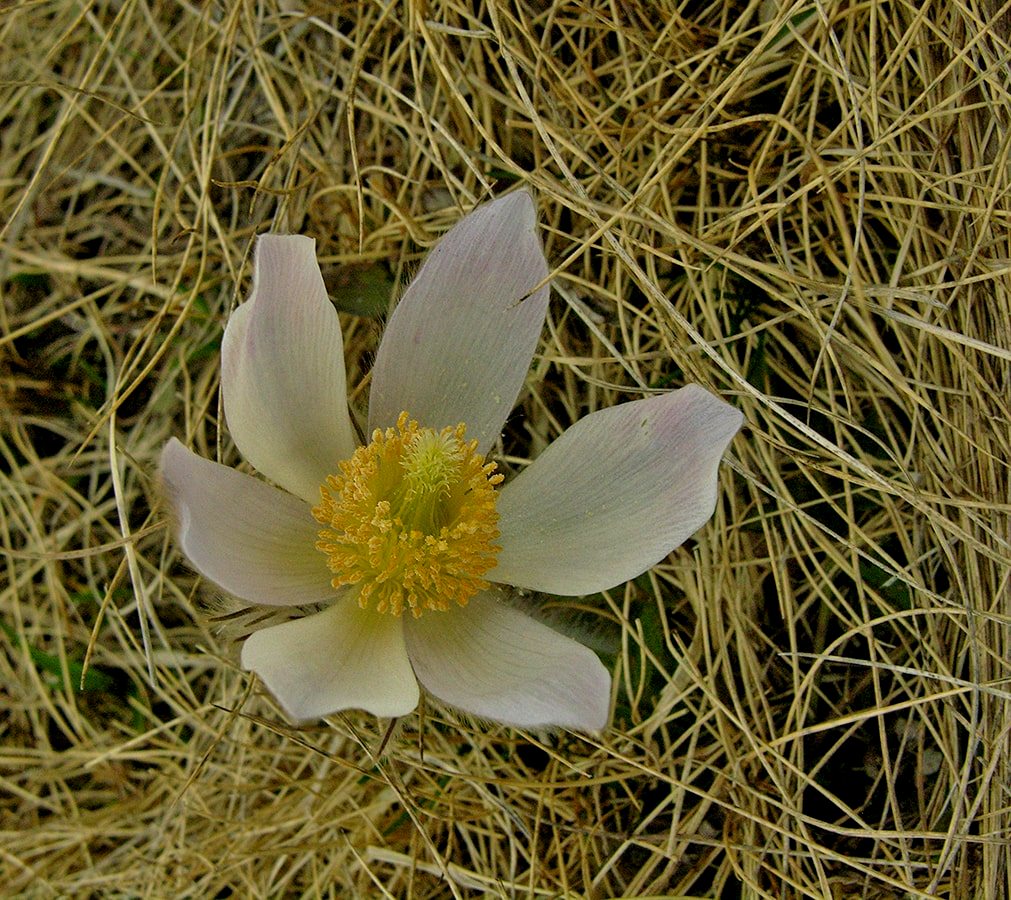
271, 241
520, 203
173, 457
595, 713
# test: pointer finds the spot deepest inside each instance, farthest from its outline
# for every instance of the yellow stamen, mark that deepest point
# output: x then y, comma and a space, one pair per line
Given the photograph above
411, 519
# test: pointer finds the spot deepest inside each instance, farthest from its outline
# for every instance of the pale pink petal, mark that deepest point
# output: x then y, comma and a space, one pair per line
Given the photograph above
253, 540
459, 343
342, 658
282, 370
614, 494
493, 661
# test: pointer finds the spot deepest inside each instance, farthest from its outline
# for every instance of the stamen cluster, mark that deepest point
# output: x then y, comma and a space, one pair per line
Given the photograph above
411, 519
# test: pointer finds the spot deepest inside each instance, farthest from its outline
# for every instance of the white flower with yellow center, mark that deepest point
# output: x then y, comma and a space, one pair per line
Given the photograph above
407, 537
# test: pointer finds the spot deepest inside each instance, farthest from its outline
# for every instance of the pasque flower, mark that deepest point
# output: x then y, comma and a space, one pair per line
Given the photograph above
407, 540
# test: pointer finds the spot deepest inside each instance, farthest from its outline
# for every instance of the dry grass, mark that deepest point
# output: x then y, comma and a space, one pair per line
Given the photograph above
803, 206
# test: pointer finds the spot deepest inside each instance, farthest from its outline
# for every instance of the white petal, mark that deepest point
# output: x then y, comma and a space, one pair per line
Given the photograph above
459, 343
342, 658
614, 494
251, 539
493, 661
282, 370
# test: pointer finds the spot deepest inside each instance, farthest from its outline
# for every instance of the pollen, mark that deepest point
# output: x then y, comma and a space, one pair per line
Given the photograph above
410, 519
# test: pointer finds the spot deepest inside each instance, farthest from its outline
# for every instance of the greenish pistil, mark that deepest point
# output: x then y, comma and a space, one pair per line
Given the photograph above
431, 467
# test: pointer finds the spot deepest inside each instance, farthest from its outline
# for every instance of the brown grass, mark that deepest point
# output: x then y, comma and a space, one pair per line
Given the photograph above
803, 206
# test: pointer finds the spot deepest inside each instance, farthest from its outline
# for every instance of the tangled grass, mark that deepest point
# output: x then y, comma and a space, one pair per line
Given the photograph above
802, 205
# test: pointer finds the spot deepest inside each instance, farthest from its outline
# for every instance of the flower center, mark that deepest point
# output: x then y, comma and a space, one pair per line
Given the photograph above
411, 519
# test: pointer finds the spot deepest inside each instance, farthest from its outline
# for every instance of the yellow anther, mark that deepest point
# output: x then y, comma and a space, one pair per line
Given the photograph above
411, 520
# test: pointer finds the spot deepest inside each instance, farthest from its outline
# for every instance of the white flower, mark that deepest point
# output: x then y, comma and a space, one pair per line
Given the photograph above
407, 537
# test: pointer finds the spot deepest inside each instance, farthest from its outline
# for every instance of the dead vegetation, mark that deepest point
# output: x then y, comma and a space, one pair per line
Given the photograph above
801, 205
